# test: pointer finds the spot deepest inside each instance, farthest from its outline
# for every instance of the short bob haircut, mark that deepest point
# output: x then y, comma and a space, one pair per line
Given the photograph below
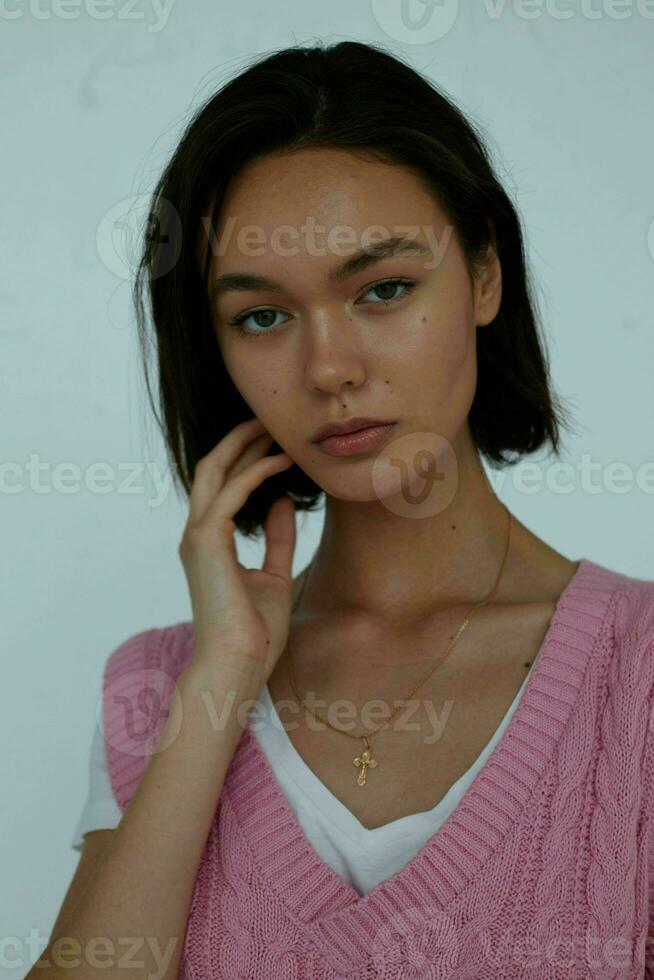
359, 97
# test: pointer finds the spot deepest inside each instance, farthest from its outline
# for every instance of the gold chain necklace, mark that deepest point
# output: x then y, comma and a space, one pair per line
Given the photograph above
365, 761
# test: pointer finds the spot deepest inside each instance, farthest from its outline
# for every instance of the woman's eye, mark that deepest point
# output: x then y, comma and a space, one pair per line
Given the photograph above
267, 326
239, 320
392, 284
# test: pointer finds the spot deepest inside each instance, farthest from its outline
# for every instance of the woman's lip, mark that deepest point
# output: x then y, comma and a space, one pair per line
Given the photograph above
356, 443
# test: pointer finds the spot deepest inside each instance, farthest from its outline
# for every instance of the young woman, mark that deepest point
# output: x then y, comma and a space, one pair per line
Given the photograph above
450, 770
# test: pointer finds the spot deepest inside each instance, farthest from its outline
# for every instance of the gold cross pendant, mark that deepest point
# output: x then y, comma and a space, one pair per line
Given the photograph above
365, 761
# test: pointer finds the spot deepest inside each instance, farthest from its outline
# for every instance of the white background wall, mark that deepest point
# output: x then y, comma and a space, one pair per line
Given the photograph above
90, 110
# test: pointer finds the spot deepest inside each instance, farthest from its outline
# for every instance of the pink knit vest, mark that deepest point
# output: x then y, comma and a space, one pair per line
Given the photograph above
545, 869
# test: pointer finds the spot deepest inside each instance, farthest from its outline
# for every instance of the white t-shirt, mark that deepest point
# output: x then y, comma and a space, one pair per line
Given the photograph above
360, 856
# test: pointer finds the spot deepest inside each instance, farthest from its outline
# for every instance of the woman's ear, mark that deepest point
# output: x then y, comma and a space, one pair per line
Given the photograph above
488, 284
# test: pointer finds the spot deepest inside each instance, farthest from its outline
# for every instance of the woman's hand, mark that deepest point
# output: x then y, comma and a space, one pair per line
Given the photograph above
241, 616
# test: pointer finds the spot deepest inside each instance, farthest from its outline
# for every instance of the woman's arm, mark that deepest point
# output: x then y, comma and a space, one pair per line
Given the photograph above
136, 904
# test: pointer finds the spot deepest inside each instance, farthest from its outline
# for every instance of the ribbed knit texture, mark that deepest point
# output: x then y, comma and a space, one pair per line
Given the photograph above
545, 869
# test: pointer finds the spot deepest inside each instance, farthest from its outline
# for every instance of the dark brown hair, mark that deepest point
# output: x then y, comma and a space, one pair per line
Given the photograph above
353, 96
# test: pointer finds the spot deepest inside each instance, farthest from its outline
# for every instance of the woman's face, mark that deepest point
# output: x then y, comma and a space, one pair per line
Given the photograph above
316, 349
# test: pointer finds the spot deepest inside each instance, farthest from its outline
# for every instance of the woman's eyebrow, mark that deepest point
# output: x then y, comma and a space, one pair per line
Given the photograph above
365, 257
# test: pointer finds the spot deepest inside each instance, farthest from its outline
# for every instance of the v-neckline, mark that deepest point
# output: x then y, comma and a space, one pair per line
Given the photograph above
328, 905
343, 818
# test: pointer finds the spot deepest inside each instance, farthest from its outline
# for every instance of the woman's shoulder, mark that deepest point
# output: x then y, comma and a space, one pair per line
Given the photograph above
138, 687
632, 596
634, 607
627, 637
163, 648
622, 608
